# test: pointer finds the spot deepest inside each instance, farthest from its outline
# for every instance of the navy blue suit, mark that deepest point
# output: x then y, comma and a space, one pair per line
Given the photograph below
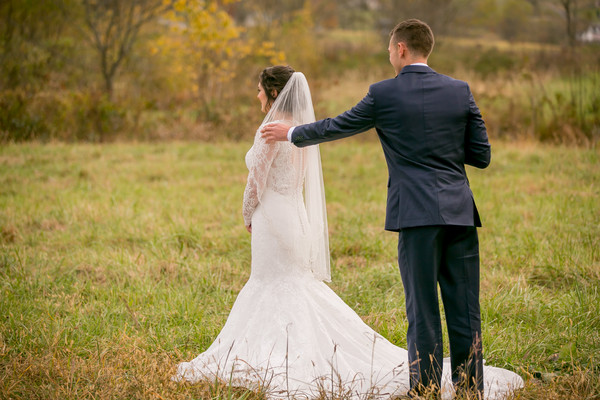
429, 127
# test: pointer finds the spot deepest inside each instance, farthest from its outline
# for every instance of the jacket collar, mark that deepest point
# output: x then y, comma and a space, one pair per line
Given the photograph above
416, 68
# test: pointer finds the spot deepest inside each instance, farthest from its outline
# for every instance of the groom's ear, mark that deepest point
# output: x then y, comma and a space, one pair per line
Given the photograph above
402, 49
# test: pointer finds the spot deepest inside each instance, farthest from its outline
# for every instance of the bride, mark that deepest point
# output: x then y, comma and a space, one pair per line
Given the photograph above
288, 333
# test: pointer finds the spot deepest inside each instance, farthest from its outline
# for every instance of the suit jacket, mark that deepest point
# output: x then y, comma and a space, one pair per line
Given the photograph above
429, 127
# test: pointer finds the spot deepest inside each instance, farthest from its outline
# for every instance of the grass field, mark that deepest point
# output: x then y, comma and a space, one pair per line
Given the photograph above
119, 261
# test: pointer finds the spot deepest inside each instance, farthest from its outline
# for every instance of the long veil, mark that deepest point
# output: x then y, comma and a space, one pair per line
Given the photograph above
294, 105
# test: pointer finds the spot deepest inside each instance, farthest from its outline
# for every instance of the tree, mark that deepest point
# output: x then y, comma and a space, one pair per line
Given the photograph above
576, 14
438, 14
485, 14
29, 32
113, 27
31, 52
209, 47
516, 17
570, 13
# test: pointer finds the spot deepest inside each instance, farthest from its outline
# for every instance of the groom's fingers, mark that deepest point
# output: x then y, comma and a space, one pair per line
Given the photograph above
268, 132
267, 136
274, 132
271, 126
266, 126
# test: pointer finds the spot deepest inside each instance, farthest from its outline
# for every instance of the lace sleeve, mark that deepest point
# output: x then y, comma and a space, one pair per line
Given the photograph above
263, 155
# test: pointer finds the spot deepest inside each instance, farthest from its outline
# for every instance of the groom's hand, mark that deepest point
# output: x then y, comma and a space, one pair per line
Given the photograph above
275, 132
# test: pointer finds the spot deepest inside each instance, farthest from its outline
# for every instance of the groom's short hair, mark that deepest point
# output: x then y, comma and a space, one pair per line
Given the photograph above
416, 34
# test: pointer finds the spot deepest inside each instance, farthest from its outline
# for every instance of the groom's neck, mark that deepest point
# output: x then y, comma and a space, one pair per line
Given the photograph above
416, 60
413, 60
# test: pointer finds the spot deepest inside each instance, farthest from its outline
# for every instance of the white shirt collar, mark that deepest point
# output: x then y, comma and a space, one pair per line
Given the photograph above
422, 64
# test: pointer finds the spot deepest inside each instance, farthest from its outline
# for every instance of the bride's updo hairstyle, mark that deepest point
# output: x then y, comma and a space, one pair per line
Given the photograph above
274, 79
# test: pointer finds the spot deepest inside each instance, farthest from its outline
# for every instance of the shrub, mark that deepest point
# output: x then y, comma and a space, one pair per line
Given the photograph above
17, 123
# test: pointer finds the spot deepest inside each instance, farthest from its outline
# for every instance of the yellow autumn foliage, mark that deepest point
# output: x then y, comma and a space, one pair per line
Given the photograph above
209, 48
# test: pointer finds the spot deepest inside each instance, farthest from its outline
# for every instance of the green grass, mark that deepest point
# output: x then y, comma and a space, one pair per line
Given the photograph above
119, 261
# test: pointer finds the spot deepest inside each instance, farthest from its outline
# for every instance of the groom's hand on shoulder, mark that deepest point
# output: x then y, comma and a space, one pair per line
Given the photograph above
275, 132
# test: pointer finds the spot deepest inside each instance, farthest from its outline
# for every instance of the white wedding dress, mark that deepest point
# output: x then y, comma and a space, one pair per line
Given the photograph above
288, 333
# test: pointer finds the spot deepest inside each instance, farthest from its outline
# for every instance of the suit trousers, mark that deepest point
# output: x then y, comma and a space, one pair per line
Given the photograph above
447, 256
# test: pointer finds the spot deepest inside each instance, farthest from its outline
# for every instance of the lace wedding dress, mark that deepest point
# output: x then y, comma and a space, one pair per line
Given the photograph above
288, 333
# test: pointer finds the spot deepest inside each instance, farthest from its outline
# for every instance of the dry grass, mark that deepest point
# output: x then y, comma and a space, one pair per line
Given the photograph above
119, 261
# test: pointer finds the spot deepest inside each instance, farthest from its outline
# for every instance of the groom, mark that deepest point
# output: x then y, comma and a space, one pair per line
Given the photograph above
429, 127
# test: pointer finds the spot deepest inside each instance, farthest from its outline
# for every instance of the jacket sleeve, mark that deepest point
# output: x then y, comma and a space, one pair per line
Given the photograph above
356, 120
477, 145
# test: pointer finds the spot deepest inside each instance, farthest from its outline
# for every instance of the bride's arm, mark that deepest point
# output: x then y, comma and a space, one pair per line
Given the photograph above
263, 154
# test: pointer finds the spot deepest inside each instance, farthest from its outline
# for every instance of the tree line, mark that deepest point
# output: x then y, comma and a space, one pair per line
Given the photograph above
98, 69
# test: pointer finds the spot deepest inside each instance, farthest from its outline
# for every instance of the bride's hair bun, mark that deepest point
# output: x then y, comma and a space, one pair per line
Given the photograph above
274, 79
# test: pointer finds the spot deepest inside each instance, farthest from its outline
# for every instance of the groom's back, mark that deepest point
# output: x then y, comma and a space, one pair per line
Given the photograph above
425, 122
422, 116
429, 127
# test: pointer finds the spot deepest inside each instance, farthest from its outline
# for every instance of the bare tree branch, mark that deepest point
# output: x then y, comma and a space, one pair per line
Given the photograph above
114, 26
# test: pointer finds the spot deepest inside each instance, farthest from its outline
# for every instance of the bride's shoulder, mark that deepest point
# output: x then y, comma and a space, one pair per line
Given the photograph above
282, 121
